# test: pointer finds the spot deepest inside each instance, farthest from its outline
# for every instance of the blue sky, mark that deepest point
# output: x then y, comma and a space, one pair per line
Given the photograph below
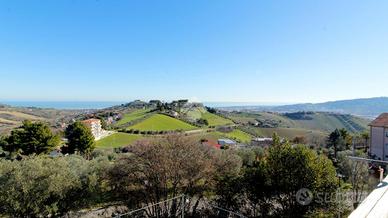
218, 50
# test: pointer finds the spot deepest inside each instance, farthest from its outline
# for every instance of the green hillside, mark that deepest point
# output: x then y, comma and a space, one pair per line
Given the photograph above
132, 116
215, 120
317, 121
160, 122
117, 140
236, 134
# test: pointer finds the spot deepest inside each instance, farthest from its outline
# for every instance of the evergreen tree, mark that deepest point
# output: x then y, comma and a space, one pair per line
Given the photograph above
30, 138
80, 138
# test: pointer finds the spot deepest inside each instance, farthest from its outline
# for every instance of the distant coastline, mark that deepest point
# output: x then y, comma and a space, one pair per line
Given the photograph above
75, 105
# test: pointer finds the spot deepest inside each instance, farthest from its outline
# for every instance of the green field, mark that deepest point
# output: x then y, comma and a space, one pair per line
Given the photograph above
117, 140
129, 117
318, 121
236, 134
160, 122
215, 120
288, 133
240, 135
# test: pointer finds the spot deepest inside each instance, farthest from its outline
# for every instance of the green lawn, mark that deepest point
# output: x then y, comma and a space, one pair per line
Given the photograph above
117, 140
129, 117
160, 122
236, 134
215, 120
240, 135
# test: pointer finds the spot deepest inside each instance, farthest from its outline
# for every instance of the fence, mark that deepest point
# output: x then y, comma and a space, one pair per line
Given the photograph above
175, 208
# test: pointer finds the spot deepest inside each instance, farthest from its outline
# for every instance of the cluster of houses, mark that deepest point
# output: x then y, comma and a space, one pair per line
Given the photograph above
378, 147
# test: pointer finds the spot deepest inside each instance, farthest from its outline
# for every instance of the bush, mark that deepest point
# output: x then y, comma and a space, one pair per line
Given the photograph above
42, 186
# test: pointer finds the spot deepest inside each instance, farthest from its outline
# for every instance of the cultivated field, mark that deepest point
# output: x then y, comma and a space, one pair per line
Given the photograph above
160, 122
117, 140
215, 120
235, 134
132, 116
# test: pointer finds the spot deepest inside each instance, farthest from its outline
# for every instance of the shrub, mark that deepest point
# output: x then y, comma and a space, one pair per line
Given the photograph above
42, 186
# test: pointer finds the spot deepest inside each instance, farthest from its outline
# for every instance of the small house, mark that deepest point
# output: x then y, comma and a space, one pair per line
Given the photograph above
262, 142
227, 143
379, 137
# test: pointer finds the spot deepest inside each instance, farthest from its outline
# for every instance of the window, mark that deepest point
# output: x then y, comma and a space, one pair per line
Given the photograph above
386, 134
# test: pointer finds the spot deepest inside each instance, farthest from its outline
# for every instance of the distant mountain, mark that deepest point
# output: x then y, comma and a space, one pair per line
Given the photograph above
365, 107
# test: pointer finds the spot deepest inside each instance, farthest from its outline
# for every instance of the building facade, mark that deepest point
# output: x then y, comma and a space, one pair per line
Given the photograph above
95, 127
379, 137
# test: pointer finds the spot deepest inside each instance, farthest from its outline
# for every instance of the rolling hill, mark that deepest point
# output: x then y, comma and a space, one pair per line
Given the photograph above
132, 116
160, 122
364, 107
215, 120
318, 121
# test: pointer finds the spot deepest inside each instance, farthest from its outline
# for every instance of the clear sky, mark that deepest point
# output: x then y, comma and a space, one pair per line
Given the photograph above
207, 50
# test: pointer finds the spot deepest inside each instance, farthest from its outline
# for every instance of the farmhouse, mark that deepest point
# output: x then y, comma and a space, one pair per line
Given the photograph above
211, 143
95, 127
379, 137
263, 142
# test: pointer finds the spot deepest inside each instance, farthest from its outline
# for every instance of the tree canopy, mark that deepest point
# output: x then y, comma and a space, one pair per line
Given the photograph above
30, 138
80, 138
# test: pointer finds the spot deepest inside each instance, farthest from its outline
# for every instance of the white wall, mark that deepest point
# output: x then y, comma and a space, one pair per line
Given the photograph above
377, 142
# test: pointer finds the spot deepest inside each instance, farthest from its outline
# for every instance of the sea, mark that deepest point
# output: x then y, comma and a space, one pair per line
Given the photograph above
68, 105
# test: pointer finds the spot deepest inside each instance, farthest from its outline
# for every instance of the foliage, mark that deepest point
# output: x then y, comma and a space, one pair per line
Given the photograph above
166, 168
339, 140
41, 186
80, 138
202, 121
292, 168
354, 172
270, 180
30, 138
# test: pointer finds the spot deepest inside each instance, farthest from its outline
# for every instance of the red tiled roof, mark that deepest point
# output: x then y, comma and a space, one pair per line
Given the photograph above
380, 121
212, 144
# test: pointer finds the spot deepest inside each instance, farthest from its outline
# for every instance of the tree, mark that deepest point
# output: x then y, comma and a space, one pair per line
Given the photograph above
334, 141
202, 121
258, 189
293, 168
355, 172
163, 168
30, 138
40, 186
300, 140
80, 138
366, 137
339, 140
